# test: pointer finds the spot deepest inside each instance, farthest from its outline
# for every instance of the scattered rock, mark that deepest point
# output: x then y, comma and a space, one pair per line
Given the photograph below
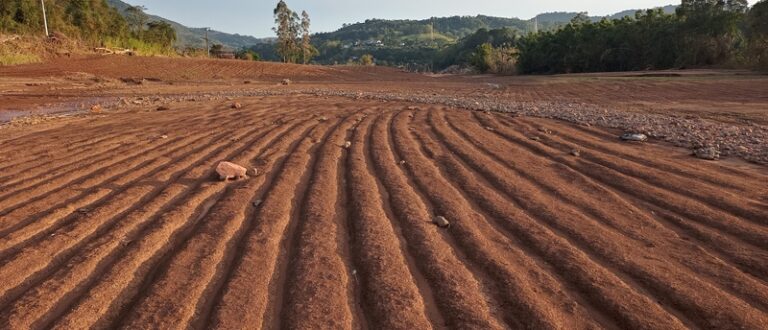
639, 137
163, 108
96, 108
576, 153
236, 105
163, 136
441, 221
412, 107
246, 82
255, 171
708, 153
285, 82
347, 144
402, 162
535, 138
227, 170
489, 128
323, 118
257, 202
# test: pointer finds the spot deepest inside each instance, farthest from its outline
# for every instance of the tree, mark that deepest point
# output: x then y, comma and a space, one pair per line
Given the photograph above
136, 19
307, 50
757, 31
161, 33
367, 60
287, 31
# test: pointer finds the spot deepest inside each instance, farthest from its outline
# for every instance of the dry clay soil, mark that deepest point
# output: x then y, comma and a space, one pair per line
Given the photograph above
116, 220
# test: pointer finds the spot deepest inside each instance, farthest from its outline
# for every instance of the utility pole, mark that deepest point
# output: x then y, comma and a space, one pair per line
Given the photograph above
207, 48
536, 24
45, 19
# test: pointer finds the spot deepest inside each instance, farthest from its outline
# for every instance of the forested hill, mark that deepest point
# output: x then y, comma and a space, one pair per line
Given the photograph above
194, 37
446, 30
439, 29
559, 18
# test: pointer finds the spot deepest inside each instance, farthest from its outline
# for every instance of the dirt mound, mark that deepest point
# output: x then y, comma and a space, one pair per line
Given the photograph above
105, 224
172, 69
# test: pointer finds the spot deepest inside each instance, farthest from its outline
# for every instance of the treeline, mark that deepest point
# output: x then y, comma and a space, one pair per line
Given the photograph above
700, 33
91, 21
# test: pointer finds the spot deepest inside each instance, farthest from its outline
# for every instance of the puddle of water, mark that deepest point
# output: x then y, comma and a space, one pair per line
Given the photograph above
6, 115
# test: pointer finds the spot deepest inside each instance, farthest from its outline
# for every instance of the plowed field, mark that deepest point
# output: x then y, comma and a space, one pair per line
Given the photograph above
105, 223
119, 221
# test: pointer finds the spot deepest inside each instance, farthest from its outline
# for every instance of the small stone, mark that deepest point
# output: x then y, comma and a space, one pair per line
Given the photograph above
257, 202
163, 136
163, 108
489, 128
413, 107
347, 144
96, 108
402, 162
227, 171
639, 137
323, 118
535, 138
236, 105
708, 153
441, 221
285, 82
576, 152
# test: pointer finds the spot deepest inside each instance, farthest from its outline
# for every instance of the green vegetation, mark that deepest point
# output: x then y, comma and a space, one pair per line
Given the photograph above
293, 35
700, 33
93, 22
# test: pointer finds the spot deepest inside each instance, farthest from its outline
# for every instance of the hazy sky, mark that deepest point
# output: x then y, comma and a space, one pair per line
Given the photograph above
254, 17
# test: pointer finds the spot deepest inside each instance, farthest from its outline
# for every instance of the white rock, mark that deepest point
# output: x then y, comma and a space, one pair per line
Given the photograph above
227, 170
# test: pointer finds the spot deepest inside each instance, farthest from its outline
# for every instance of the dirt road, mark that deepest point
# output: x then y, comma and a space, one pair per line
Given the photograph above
118, 220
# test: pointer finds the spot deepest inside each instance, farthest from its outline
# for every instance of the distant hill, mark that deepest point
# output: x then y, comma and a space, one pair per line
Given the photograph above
441, 30
558, 18
195, 37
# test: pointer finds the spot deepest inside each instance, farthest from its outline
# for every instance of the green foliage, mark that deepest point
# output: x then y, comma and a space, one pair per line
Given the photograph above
248, 55
367, 60
93, 21
757, 22
700, 33
464, 52
287, 31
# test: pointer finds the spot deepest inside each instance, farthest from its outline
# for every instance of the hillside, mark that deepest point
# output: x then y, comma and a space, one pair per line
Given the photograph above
558, 18
195, 37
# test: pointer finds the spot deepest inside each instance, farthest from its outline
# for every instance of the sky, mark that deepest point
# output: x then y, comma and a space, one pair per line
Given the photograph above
254, 17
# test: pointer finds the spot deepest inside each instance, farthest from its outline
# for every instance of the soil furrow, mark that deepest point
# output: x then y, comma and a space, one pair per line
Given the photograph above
317, 271
391, 298
125, 296
522, 301
685, 285
457, 291
204, 253
109, 244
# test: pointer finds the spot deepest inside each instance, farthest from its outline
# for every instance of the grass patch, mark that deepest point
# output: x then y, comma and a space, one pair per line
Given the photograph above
16, 59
